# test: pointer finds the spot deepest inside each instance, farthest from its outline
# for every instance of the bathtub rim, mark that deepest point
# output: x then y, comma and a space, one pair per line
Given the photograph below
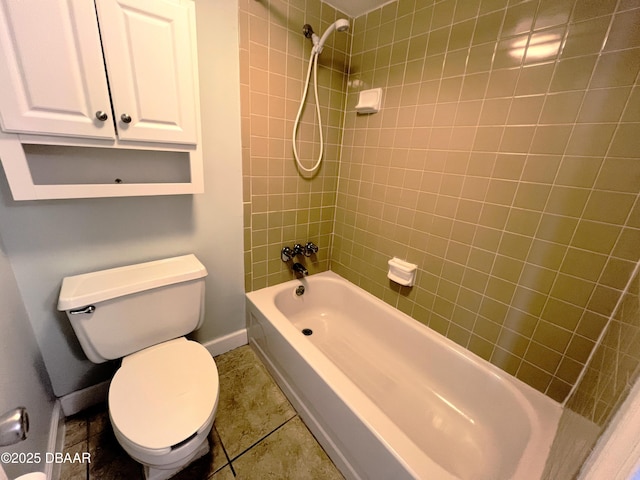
542, 411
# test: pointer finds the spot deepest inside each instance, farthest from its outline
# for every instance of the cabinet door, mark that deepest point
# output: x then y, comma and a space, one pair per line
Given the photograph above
51, 69
150, 53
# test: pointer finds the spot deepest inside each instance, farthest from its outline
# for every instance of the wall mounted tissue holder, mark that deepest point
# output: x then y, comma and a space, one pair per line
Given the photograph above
401, 272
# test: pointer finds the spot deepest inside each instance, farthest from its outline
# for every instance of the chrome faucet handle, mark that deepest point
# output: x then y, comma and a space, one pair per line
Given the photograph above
286, 254
298, 249
310, 248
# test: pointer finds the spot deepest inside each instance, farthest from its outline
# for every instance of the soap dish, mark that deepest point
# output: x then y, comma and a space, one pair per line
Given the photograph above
401, 272
369, 101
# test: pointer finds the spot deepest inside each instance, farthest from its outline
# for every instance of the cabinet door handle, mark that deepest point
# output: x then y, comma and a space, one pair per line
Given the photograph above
102, 116
125, 118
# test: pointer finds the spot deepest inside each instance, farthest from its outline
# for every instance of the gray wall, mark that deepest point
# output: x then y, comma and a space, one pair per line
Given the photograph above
23, 379
48, 240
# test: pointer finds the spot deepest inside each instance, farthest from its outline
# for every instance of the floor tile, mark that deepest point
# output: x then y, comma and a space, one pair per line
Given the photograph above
290, 452
98, 419
240, 357
223, 474
75, 430
75, 470
251, 405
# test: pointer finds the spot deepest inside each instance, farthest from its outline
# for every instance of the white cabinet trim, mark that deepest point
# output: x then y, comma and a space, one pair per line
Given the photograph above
14, 162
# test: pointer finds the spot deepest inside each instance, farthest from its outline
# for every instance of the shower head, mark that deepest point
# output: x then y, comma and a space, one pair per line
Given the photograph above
341, 25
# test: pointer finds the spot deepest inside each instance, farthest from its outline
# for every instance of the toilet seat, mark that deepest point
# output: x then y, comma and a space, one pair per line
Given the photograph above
163, 395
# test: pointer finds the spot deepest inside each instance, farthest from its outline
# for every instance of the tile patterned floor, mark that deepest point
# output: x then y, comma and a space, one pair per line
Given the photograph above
256, 435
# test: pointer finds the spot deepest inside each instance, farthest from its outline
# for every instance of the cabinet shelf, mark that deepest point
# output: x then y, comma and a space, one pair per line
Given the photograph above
36, 169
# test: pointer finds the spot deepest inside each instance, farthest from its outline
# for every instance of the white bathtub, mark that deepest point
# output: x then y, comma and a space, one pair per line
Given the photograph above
387, 397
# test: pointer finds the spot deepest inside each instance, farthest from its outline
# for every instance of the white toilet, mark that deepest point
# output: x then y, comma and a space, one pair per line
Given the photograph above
163, 398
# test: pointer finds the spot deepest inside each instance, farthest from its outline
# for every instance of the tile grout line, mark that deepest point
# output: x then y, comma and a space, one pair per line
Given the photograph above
226, 454
261, 439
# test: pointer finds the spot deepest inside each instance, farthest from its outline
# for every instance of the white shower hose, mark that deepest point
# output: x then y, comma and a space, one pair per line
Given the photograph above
313, 65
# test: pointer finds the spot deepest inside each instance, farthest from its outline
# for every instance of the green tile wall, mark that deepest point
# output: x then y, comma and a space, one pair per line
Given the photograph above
615, 365
282, 207
505, 163
611, 372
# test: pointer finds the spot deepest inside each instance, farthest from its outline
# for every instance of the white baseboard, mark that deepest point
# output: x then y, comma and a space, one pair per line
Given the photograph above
82, 399
227, 343
56, 441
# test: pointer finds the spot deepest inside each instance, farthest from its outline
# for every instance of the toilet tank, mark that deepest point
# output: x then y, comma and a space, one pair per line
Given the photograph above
119, 311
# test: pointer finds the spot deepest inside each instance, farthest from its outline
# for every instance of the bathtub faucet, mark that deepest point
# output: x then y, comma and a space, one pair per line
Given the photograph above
288, 253
299, 270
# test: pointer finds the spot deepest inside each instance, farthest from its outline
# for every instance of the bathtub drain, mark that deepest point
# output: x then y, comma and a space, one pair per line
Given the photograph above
307, 331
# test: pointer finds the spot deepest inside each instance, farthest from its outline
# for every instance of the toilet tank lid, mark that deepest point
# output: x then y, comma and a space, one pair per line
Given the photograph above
81, 290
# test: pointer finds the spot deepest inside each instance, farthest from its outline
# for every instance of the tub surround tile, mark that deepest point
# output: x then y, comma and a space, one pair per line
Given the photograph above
271, 92
547, 130
612, 370
284, 448
551, 177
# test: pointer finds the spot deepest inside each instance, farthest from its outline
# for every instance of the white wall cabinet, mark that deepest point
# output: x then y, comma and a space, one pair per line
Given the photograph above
114, 74
148, 49
51, 69
52, 61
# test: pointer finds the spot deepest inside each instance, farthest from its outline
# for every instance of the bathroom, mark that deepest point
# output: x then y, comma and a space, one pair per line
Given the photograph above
525, 227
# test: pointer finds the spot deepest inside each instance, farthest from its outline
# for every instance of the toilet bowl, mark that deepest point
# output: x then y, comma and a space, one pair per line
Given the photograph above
163, 399
162, 403
26, 476
32, 476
